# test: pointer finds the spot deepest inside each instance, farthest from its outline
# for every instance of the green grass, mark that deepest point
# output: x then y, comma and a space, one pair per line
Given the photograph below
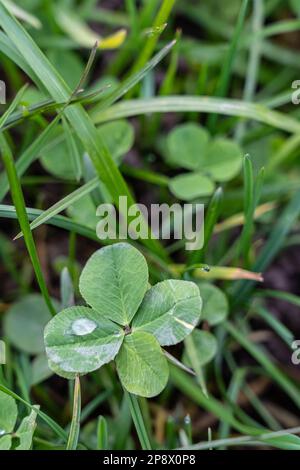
228, 70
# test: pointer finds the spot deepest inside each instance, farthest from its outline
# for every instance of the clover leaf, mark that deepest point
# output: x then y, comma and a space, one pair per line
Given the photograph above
118, 136
8, 419
190, 146
215, 304
124, 320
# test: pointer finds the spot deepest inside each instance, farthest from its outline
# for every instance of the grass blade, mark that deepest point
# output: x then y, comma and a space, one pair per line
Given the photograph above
211, 218
18, 200
226, 71
102, 434
271, 247
161, 18
178, 104
287, 385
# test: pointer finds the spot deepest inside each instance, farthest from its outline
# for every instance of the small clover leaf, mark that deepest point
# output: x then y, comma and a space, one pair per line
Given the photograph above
215, 304
170, 311
118, 136
201, 349
124, 321
25, 321
8, 419
189, 186
189, 146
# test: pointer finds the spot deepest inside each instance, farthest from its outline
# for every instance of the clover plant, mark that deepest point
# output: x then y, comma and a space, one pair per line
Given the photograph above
126, 320
209, 160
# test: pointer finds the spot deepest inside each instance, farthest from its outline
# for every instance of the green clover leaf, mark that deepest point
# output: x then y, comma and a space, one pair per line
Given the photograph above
141, 365
124, 321
189, 146
8, 419
114, 282
170, 311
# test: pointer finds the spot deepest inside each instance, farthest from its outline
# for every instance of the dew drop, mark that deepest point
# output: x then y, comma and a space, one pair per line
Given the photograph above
83, 326
2, 431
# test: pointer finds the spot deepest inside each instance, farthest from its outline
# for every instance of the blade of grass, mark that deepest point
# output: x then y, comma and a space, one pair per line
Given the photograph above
124, 421
12, 107
191, 350
211, 218
57, 221
73, 152
234, 388
75, 424
284, 383
170, 104
22, 14
285, 439
283, 332
253, 62
226, 71
18, 200
286, 296
102, 434
273, 245
148, 49
249, 208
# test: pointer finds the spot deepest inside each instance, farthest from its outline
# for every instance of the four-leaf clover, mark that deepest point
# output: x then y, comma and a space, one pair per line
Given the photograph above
125, 320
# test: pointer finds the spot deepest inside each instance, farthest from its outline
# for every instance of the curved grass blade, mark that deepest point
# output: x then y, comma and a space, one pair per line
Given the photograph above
57, 221
285, 439
171, 104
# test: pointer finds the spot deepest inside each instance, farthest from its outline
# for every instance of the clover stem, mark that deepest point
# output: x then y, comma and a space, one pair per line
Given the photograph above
75, 424
138, 420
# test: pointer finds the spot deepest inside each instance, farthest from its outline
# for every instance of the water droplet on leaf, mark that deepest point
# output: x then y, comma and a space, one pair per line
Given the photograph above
83, 326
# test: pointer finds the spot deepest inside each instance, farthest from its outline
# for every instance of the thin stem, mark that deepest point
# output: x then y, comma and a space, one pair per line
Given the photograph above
138, 421
75, 424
